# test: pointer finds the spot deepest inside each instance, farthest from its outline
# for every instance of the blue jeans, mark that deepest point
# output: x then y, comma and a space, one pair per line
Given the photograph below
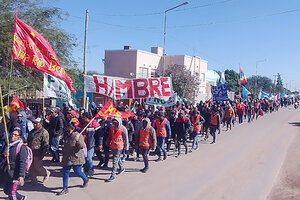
249, 117
213, 130
161, 146
240, 118
195, 140
123, 154
89, 160
54, 148
66, 172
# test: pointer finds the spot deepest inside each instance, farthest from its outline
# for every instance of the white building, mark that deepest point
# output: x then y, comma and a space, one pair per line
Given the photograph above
134, 63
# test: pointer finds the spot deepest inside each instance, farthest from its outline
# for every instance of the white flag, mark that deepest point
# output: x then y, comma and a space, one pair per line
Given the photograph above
55, 87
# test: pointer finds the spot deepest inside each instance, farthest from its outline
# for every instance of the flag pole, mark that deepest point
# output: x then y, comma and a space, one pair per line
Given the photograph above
5, 128
84, 58
87, 126
9, 79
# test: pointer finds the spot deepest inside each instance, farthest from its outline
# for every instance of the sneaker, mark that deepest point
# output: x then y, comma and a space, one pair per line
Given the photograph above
90, 173
165, 157
213, 143
178, 155
46, 178
191, 151
121, 171
144, 170
23, 197
158, 159
85, 183
111, 178
64, 191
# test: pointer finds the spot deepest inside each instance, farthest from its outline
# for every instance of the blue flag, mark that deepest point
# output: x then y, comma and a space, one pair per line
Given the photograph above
219, 92
245, 92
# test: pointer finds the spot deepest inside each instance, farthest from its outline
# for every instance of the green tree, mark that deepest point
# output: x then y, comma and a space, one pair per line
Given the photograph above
184, 83
279, 84
46, 21
233, 80
255, 83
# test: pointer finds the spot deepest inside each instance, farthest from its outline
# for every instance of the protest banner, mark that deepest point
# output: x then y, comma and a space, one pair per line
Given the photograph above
55, 87
109, 110
121, 88
219, 92
33, 50
166, 102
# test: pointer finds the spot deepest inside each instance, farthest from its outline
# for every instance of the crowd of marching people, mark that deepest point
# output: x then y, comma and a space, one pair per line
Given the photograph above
75, 138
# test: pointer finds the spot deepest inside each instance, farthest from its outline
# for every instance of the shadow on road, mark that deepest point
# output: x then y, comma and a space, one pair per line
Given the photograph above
295, 123
40, 188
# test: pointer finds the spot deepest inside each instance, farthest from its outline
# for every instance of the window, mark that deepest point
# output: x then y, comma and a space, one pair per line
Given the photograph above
154, 73
143, 72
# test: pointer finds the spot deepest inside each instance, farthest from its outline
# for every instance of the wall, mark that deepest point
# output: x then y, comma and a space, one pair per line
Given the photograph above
120, 63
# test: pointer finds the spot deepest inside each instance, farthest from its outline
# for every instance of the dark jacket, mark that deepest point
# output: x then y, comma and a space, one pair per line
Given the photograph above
17, 161
38, 141
130, 129
56, 126
105, 126
73, 151
182, 126
89, 134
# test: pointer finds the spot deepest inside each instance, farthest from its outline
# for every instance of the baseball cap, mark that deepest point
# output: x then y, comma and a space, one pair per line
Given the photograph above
37, 120
20, 115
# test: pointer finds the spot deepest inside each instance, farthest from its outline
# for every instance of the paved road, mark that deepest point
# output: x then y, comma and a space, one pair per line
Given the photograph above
243, 165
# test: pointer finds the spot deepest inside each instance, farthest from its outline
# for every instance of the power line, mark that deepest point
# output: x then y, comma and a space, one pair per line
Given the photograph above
238, 21
204, 5
196, 25
162, 12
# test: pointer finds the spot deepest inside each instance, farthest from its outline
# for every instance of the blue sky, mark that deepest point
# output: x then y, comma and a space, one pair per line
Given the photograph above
226, 33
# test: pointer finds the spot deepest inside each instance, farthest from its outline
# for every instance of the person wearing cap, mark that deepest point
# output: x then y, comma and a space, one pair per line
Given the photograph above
55, 128
117, 141
30, 120
23, 126
147, 140
17, 166
163, 131
73, 157
72, 119
38, 141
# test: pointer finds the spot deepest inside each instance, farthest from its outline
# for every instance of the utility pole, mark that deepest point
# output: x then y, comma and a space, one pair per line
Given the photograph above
84, 57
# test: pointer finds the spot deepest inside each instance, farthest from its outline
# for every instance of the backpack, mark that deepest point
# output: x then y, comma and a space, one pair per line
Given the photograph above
5, 173
29, 158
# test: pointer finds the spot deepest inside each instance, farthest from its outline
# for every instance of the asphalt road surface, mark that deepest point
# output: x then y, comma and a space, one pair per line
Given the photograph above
244, 164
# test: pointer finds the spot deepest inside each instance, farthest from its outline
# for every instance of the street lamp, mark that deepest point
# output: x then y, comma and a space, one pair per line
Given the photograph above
259, 61
165, 32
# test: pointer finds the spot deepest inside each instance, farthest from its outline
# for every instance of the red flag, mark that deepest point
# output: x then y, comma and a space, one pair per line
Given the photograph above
109, 110
15, 104
32, 50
